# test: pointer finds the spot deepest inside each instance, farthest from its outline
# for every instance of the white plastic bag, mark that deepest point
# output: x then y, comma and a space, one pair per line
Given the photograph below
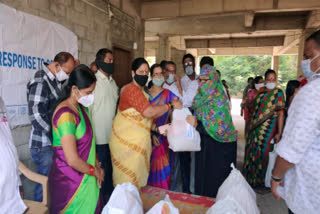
226, 206
181, 135
271, 163
164, 207
125, 199
237, 188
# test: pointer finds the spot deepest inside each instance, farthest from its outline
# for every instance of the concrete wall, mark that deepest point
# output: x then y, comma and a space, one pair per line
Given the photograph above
176, 56
89, 20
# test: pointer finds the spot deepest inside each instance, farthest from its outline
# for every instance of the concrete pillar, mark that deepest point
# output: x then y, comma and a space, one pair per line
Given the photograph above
163, 50
275, 64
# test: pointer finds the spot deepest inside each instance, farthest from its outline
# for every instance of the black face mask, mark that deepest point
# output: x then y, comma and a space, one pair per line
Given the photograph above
105, 67
141, 79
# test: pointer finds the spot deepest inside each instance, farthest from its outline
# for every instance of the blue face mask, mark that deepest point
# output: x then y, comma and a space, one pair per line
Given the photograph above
170, 79
158, 82
306, 67
189, 70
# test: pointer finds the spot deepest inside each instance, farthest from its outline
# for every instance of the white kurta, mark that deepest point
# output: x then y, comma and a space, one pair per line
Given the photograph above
190, 88
10, 199
173, 88
300, 145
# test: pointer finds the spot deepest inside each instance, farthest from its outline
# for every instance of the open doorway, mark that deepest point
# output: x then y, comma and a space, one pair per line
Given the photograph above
122, 66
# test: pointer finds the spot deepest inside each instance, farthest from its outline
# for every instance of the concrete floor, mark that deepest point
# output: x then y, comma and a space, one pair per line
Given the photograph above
266, 202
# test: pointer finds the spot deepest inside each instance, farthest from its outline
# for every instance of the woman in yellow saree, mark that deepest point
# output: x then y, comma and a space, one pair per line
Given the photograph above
130, 142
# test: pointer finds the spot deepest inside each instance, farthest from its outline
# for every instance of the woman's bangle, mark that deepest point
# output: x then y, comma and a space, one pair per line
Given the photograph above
90, 171
169, 106
276, 179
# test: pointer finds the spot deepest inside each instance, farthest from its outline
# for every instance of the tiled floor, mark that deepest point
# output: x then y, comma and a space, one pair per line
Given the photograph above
266, 203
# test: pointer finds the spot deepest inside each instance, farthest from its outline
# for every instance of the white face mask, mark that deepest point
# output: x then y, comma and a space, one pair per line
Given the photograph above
61, 75
87, 100
271, 85
306, 67
258, 86
170, 79
189, 70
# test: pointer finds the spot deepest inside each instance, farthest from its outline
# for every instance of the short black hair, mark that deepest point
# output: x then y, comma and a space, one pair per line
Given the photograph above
250, 78
219, 73
206, 60
269, 71
170, 63
292, 85
101, 54
315, 36
257, 79
137, 63
154, 66
163, 64
63, 57
188, 56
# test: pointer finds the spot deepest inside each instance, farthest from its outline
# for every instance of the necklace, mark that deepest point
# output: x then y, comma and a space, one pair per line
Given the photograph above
74, 107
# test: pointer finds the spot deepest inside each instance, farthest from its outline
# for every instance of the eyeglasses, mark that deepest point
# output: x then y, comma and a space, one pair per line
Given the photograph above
188, 63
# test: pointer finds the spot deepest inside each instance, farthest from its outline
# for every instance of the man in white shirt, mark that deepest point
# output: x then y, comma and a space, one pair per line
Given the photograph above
10, 196
298, 161
102, 113
189, 81
173, 82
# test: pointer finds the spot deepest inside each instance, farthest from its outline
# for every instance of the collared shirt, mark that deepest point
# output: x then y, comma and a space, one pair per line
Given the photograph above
173, 88
104, 107
300, 145
43, 92
189, 88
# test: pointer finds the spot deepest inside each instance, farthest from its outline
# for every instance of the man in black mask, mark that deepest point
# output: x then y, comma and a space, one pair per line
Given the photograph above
102, 113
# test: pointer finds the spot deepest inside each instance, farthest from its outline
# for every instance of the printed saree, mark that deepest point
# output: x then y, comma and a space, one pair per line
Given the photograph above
72, 191
130, 146
262, 129
161, 157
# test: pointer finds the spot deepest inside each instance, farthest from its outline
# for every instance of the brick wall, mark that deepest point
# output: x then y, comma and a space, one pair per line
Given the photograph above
90, 21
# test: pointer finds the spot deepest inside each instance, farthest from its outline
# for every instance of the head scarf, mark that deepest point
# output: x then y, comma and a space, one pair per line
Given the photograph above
211, 105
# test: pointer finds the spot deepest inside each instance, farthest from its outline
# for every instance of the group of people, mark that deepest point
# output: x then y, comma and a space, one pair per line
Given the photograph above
289, 124
88, 136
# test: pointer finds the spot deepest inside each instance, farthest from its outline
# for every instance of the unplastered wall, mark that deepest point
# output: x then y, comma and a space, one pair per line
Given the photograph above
176, 56
91, 21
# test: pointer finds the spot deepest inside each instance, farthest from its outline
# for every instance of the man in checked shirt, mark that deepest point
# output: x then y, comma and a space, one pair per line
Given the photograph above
43, 93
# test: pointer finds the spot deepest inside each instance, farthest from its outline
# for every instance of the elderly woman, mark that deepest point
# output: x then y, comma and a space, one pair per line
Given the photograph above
130, 142
266, 124
218, 135
75, 175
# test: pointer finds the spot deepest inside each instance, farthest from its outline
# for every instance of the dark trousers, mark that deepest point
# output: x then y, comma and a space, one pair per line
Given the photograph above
42, 157
185, 166
290, 212
212, 163
104, 157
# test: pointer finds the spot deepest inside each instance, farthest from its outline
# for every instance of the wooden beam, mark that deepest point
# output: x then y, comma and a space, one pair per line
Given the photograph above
313, 19
288, 47
248, 19
235, 42
224, 25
